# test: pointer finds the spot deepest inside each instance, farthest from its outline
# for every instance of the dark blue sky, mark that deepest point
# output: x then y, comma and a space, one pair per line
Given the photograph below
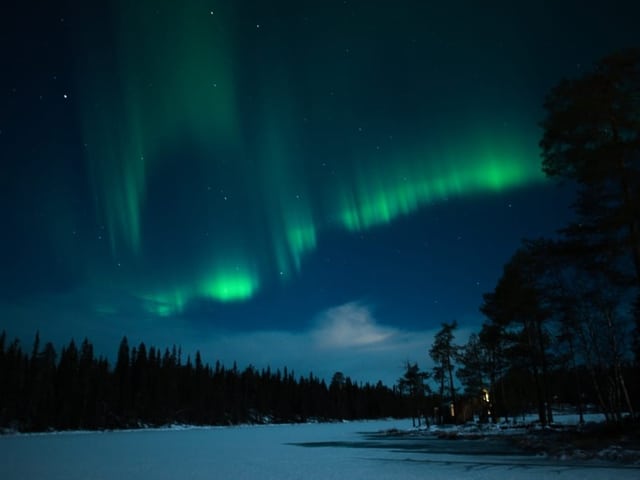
310, 184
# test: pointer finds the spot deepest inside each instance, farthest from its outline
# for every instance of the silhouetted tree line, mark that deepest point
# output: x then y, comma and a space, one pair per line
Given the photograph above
40, 390
563, 322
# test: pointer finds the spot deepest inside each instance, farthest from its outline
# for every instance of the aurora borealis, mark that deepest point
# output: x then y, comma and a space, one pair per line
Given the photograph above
194, 171
139, 109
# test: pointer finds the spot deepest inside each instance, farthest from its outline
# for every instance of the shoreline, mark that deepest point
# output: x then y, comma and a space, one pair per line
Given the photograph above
589, 442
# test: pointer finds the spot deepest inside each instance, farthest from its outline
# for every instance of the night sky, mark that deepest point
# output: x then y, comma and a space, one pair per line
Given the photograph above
317, 184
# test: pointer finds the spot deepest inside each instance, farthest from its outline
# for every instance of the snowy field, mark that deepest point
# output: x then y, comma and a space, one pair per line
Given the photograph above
311, 451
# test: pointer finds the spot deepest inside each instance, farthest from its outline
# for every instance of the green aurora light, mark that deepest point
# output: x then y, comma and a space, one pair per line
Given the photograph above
373, 198
165, 86
174, 81
377, 196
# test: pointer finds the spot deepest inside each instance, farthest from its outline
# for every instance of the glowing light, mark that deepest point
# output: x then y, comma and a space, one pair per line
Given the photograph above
229, 286
301, 239
165, 105
165, 304
292, 224
378, 196
222, 284
145, 105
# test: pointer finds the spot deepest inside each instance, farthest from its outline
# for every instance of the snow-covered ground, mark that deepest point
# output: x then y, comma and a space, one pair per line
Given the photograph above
515, 426
310, 451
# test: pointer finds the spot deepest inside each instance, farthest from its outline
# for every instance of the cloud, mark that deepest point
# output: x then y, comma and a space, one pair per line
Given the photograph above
349, 325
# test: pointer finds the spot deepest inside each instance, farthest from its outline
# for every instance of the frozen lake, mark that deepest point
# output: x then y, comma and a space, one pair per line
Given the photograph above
310, 451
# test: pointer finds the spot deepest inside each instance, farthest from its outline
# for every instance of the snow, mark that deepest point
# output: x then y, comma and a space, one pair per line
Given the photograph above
515, 426
309, 451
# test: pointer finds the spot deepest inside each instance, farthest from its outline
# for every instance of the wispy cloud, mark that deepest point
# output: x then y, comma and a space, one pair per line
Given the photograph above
349, 325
